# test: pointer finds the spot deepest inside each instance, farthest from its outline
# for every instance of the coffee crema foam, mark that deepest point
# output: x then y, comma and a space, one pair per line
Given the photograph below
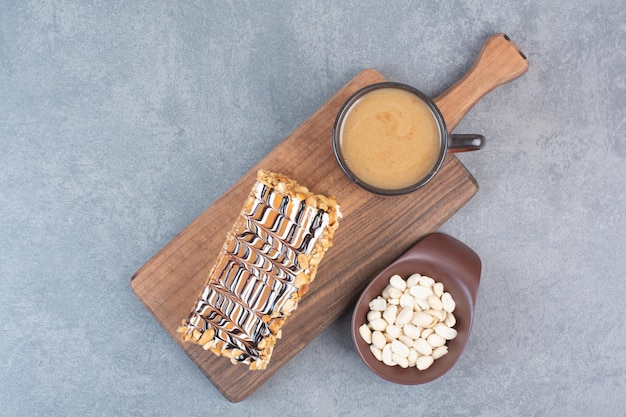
390, 139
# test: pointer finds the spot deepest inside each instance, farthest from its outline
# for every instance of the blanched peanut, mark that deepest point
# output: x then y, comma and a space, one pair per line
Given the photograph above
448, 302
439, 352
378, 304
413, 355
378, 339
422, 319
387, 355
422, 346
400, 360
427, 281
378, 324
373, 315
366, 333
390, 313
424, 362
412, 331
396, 281
394, 293
420, 292
410, 322
406, 301
435, 302
435, 340
438, 289
404, 316
385, 293
439, 315
422, 303
405, 339
394, 331
444, 331
400, 348
450, 320
378, 354
413, 280
427, 332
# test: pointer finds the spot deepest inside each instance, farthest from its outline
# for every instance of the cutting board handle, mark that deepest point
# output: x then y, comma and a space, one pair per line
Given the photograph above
498, 62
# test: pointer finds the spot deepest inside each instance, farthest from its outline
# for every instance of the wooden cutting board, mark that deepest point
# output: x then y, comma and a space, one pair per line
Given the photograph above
374, 231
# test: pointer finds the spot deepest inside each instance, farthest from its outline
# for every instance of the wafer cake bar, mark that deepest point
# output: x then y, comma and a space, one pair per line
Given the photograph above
265, 266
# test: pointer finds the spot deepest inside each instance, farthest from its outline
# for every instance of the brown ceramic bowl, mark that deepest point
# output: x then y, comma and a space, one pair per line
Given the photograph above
446, 260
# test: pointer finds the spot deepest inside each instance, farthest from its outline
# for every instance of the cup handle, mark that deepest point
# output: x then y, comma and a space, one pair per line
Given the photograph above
465, 142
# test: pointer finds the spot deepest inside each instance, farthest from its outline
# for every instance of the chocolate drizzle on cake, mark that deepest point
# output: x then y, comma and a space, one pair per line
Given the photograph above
265, 266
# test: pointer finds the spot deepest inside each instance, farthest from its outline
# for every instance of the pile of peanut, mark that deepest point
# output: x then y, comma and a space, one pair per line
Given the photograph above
410, 322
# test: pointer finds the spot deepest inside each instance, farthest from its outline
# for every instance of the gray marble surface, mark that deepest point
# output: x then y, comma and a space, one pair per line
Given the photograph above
120, 122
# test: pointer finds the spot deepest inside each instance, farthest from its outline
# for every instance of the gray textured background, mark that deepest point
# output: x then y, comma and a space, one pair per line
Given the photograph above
120, 122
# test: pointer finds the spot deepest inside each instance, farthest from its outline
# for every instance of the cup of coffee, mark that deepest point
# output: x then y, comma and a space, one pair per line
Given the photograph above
390, 138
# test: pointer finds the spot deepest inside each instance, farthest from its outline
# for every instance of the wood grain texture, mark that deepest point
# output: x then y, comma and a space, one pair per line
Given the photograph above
499, 61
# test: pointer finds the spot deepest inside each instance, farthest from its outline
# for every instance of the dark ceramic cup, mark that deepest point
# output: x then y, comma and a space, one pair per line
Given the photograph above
447, 142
